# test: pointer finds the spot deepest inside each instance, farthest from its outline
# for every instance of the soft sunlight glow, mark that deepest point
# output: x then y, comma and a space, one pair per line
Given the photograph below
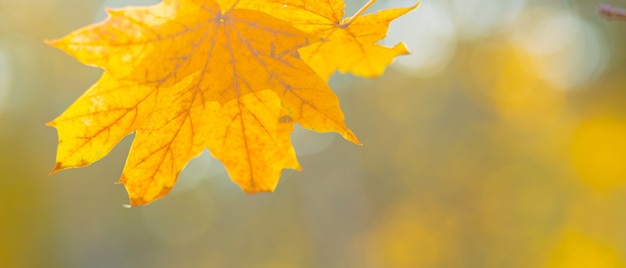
201, 168
569, 51
5, 79
476, 19
432, 41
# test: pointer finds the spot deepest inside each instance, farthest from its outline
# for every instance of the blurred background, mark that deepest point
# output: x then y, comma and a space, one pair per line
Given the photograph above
500, 142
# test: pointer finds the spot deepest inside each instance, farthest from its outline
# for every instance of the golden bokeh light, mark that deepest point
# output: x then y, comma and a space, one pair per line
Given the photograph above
598, 152
503, 73
577, 250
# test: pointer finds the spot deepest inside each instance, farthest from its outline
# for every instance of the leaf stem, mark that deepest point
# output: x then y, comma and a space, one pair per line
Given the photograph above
357, 14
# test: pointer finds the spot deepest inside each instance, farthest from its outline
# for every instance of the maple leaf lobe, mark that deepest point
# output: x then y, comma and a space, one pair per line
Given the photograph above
185, 76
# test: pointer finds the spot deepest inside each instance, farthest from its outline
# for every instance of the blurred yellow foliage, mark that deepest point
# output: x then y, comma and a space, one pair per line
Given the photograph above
510, 153
505, 74
598, 152
576, 250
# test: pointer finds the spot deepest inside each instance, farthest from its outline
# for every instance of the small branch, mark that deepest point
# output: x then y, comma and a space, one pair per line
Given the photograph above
357, 14
612, 13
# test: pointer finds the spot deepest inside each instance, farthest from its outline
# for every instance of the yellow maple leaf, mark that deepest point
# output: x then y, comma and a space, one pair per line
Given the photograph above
185, 75
348, 45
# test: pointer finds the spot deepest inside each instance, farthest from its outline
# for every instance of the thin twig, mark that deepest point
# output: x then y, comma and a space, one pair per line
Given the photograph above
357, 14
612, 13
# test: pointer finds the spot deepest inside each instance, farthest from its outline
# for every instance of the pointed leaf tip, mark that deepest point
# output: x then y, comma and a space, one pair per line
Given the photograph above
351, 137
143, 192
58, 166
